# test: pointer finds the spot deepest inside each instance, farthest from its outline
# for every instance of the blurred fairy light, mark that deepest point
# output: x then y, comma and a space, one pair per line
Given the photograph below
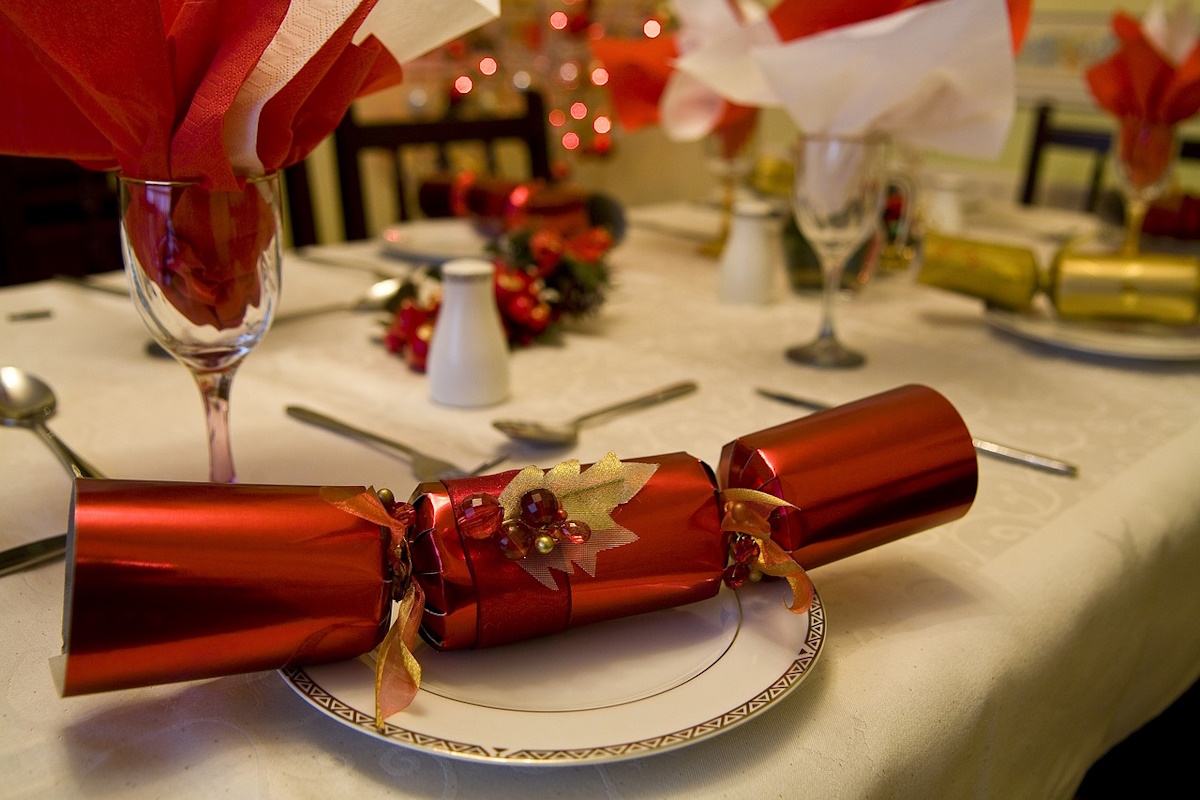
542, 46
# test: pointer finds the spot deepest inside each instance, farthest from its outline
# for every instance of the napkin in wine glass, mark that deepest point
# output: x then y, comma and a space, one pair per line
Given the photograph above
1154, 72
932, 74
211, 91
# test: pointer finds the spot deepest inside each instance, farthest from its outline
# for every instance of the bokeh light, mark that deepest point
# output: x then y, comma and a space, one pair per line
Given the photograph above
599, 76
488, 65
557, 117
559, 20
463, 84
570, 140
652, 28
602, 124
578, 110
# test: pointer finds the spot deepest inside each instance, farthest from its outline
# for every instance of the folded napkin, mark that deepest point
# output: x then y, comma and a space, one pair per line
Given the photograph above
647, 90
1154, 73
211, 91
932, 74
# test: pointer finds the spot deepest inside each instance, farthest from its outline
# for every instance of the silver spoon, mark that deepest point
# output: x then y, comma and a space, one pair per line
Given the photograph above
27, 402
375, 298
566, 433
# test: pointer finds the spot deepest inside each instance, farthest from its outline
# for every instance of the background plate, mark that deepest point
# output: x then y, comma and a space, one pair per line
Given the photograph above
1131, 340
433, 241
607, 692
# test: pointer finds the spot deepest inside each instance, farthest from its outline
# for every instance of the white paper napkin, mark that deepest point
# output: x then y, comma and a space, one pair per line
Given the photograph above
690, 108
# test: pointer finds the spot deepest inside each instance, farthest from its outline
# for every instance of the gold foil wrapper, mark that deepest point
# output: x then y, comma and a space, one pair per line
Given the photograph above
1150, 287
1004, 275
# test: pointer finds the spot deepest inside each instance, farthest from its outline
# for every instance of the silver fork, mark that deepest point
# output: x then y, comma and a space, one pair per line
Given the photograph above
425, 466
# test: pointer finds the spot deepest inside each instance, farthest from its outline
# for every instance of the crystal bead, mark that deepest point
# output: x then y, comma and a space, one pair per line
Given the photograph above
736, 575
479, 516
539, 507
574, 531
744, 549
515, 539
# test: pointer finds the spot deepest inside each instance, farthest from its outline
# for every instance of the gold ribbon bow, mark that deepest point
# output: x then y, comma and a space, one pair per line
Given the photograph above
746, 511
397, 672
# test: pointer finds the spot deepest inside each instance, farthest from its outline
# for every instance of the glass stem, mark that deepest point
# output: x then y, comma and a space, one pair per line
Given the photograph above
831, 285
214, 388
1135, 215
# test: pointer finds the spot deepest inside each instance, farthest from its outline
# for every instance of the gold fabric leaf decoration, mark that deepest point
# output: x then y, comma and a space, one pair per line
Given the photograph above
589, 496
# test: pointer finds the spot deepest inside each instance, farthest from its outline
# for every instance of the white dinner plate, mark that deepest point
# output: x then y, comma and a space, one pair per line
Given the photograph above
1130, 340
1057, 225
433, 241
607, 692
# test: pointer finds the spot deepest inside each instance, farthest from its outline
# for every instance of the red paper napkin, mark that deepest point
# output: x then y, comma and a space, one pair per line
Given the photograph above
148, 87
639, 73
794, 19
1139, 81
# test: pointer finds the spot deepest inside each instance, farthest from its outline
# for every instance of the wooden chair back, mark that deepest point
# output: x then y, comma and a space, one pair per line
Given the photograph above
352, 139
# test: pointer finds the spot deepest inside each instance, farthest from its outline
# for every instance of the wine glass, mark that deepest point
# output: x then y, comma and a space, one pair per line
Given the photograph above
204, 273
1145, 152
837, 196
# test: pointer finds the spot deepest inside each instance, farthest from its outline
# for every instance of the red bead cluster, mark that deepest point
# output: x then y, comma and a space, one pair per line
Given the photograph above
541, 523
744, 550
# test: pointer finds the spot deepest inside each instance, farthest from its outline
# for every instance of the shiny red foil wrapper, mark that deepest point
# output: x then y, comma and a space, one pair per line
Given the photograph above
861, 474
476, 597
177, 581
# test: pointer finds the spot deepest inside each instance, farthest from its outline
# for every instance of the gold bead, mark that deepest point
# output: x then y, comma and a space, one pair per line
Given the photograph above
386, 497
544, 543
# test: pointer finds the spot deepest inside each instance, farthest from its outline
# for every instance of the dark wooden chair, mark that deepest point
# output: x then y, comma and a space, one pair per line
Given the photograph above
1093, 141
352, 139
56, 217
301, 216
1047, 135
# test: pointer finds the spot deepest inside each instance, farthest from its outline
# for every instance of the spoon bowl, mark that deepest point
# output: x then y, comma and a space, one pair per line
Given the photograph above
27, 402
566, 433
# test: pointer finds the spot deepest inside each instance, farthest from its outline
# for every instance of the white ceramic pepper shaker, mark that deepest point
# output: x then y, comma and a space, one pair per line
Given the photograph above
468, 353
751, 255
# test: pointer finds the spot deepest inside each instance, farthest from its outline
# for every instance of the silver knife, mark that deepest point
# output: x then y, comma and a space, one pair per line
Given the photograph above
27, 555
994, 449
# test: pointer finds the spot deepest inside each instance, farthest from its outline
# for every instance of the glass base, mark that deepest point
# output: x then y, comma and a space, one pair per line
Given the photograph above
826, 353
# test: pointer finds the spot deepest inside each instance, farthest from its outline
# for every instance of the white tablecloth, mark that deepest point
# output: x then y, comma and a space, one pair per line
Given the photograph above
997, 656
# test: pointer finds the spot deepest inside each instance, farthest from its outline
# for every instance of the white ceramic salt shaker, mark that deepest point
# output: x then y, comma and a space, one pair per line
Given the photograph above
468, 353
751, 256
